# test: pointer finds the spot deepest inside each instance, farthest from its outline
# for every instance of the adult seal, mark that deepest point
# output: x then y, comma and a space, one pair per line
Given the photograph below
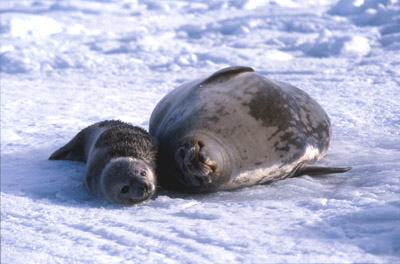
120, 160
238, 128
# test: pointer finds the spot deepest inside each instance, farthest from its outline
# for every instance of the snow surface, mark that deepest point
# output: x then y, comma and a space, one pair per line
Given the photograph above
68, 64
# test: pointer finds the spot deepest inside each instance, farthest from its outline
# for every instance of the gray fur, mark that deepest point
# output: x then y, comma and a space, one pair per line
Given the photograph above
237, 128
120, 160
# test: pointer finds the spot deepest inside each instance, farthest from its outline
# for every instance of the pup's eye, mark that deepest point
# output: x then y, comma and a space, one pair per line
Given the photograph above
143, 173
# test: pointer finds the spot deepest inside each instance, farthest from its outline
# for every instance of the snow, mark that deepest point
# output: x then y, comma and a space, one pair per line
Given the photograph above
68, 64
328, 45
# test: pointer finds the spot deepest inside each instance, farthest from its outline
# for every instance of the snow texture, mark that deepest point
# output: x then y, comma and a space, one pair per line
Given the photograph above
68, 64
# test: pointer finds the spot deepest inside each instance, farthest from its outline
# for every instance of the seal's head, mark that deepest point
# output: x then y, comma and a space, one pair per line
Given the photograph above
201, 162
127, 181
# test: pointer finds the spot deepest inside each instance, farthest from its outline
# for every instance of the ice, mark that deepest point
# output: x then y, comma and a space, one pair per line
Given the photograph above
68, 64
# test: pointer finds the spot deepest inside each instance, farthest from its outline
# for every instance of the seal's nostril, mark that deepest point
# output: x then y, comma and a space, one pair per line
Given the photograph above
146, 187
201, 144
182, 153
125, 189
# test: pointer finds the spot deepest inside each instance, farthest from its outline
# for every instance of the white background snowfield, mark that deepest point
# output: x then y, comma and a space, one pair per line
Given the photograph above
68, 64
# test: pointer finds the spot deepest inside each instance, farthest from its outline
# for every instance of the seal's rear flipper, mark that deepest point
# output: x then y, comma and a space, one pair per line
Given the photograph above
73, 150
314, 170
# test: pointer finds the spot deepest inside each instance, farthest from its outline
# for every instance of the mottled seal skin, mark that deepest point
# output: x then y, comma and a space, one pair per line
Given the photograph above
238, 128
120, 160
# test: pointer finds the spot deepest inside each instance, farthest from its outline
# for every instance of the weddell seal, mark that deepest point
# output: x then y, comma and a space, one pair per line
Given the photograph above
238, 128
120, 160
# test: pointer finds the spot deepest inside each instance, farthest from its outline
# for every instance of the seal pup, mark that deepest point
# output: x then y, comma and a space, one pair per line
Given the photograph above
238, 128
120, 160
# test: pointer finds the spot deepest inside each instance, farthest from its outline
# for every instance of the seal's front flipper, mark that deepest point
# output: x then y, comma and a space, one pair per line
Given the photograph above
73, 150
314, 170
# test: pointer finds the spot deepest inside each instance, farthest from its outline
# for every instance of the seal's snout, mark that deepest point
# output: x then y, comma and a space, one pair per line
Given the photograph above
146, 188
137, 191
196, 163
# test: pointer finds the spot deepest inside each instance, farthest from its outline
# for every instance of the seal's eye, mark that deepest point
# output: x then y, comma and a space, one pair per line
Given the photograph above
143, 173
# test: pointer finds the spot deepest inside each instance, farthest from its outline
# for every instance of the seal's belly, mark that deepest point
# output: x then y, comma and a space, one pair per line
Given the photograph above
263, 174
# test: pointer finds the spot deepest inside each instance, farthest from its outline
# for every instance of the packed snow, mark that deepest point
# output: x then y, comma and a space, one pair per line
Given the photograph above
68, 64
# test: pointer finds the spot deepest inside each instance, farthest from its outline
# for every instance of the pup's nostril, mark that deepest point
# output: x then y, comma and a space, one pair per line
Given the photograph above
125, 189
146, 187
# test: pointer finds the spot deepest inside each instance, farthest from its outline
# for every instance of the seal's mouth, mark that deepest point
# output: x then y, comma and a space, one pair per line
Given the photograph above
135, 201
